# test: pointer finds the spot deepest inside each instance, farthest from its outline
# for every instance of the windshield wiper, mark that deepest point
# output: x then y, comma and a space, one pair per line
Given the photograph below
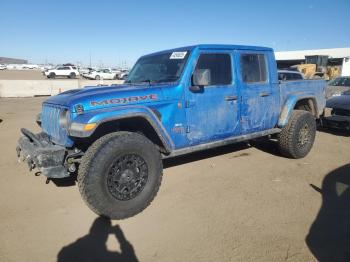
169, 79
164, 80
145, 81
139, 81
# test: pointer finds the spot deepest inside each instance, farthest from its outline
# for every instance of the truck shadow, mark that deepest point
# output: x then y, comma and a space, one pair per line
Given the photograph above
200, 155
267, 145
329, 236
65, 182
92, 247
336, 132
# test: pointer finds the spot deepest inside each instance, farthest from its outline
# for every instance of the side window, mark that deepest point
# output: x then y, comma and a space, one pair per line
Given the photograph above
219, 66
253, 68
60, 68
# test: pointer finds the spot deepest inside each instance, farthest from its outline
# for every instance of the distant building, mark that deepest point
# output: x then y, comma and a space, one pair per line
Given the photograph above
336, 56
7, 60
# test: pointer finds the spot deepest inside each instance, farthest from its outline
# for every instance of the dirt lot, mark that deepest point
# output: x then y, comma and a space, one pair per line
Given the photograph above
237, 203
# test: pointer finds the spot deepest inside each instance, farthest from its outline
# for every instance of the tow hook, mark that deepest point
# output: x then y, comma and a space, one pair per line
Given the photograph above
18, 150
30, 163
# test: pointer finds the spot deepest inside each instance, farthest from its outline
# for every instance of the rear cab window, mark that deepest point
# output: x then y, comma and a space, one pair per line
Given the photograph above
219, 66
253, 68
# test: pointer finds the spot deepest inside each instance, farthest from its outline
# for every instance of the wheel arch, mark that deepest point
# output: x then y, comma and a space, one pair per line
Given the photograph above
141, 122
306, 103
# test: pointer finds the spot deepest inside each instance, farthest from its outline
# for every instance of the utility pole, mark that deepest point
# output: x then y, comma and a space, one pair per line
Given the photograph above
90, 57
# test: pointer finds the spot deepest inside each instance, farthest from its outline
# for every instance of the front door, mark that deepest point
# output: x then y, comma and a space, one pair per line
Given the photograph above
260, 97
213, 112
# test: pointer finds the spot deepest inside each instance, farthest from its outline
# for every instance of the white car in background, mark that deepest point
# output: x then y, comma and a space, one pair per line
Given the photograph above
3, 67
30, 66
64, 71
85, 70
101, 74
123, 74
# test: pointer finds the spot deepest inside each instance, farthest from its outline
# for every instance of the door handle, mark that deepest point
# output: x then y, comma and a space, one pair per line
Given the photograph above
231, 98
263, 94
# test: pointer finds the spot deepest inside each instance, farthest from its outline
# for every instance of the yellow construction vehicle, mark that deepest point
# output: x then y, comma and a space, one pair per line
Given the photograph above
316, 67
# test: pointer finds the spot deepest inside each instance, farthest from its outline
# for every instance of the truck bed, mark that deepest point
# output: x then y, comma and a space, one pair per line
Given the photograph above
306, 88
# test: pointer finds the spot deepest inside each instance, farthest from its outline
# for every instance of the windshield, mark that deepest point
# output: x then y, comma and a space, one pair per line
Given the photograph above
159, 68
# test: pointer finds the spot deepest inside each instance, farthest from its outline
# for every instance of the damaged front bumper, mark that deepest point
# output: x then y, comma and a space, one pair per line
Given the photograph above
39, 152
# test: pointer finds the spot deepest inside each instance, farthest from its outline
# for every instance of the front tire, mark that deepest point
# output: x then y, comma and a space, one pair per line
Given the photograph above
97, 77
298, 136
72, 76
120, 175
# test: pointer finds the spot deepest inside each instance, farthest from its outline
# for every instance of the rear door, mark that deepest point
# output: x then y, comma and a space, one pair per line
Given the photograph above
259, 95
213, 113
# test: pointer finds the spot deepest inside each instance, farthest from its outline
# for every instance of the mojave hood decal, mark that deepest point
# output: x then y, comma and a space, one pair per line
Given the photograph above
124, 100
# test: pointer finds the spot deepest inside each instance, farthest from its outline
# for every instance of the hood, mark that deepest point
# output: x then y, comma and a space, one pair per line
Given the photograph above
341, 102
97, 97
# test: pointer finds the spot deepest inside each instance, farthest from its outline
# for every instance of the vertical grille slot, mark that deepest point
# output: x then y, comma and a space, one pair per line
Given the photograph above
50, 123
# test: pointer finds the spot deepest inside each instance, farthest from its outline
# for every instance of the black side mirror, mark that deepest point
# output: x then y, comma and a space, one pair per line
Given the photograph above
196, 89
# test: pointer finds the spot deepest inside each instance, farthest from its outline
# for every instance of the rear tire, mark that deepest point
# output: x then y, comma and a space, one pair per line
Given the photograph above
298, 136
97, 77
72, 75
52, 75
120, 175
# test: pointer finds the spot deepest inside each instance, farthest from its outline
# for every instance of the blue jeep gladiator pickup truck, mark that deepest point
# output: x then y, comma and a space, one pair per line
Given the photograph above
173, 102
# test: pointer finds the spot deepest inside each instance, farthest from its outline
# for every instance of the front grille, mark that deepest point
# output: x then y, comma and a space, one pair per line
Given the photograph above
50, 116
340, 112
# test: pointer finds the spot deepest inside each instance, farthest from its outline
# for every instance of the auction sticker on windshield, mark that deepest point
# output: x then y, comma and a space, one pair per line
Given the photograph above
178, 55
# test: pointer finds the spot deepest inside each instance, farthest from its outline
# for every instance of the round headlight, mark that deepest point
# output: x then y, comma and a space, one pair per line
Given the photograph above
64, 118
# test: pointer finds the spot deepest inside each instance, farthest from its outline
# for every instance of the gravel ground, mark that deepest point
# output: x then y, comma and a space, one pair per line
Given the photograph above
236, 203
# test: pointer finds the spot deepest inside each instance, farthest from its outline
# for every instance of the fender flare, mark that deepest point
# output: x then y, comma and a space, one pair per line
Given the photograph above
106, 115
289, 105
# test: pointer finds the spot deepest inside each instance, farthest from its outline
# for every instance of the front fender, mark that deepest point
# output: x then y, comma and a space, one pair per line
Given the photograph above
289, 105
105, 115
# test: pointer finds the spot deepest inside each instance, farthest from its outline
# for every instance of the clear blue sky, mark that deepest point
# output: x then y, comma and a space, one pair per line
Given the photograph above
114, 31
